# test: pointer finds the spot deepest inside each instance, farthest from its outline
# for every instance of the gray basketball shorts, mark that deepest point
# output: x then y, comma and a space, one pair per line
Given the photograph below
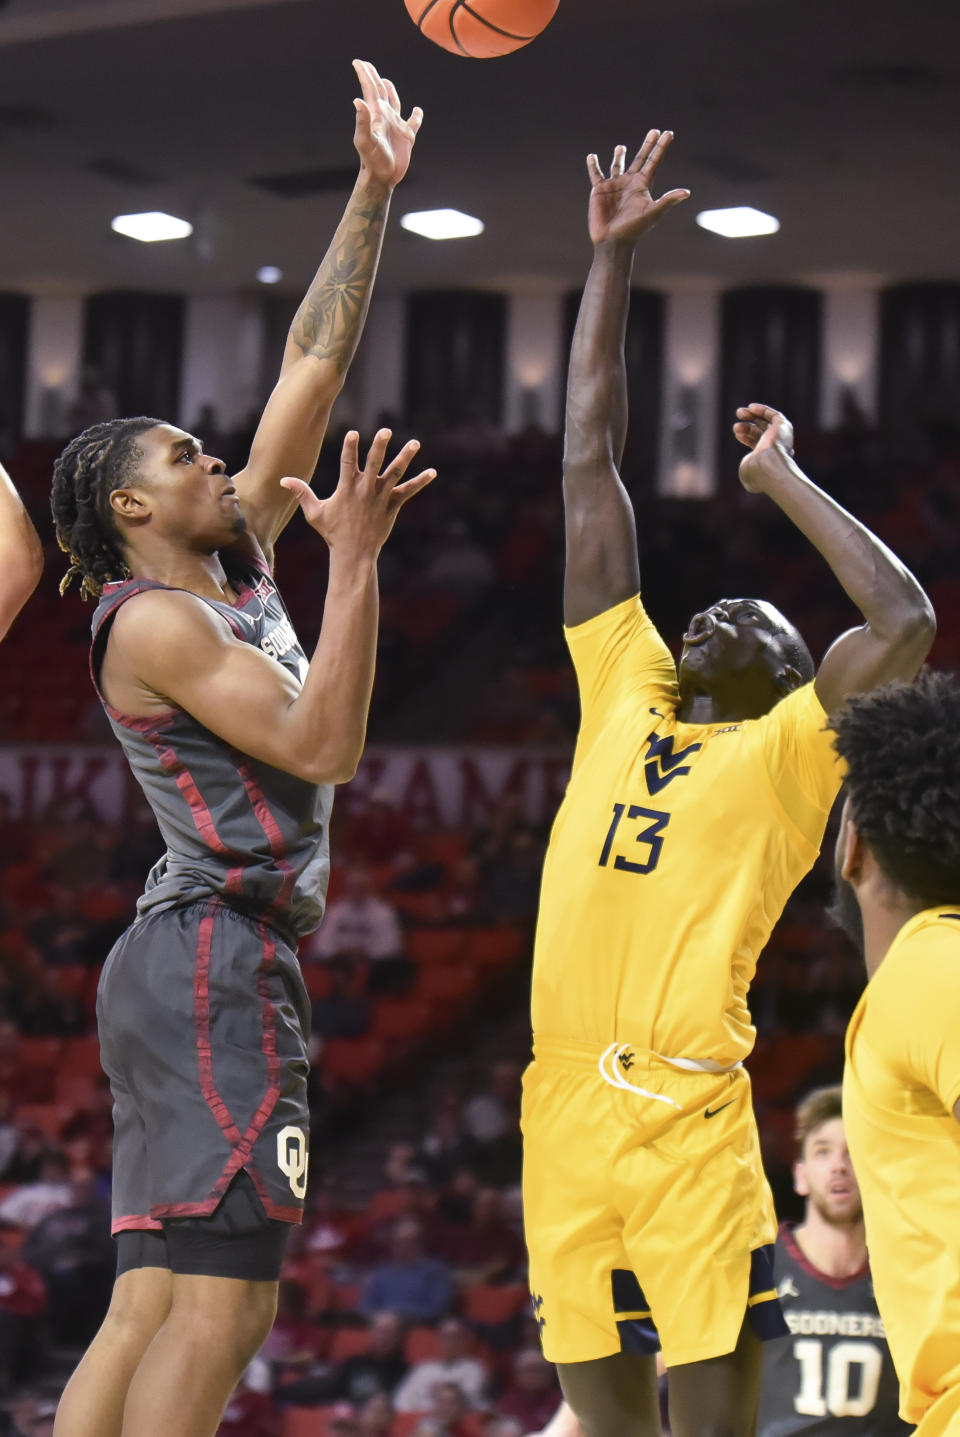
203, 1020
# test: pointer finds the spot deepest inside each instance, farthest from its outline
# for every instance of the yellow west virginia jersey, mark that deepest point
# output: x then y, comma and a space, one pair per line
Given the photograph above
673, 853
900, 1086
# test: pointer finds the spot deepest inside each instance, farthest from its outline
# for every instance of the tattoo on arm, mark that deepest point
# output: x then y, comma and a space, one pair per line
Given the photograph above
330, 319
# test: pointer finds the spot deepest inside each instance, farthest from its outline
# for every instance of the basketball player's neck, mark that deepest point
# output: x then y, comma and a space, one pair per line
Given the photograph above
179, 568
835, 1249
885, 911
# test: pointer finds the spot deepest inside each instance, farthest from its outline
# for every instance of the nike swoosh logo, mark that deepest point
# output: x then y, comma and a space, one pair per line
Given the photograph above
712, 1112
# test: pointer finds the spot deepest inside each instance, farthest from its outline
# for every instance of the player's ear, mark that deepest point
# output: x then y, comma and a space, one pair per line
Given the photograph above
130, 504
800, 1185
789, 679
849, 847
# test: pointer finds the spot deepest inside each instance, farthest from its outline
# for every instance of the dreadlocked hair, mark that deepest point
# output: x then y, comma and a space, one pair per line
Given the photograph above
901, 745
98, 461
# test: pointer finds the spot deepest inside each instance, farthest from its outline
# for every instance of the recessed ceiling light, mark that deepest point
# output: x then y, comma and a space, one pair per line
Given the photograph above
442, 224
269, 274
740, 222
152, 226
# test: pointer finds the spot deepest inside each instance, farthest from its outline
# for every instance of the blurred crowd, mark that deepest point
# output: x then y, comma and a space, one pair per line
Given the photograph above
404, 1309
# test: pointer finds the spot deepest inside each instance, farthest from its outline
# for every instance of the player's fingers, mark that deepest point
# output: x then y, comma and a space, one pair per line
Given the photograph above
398, 466
670, 200
663, 143
376, 454
350, 456
415, 120
375, 80
748, 435
764, 411
364, 119
619, 159
308, 501
392, 97
367, 87
409, 487
644, 150
594, 170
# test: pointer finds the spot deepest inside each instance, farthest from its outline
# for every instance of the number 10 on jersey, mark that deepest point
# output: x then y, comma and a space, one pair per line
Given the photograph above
651, 835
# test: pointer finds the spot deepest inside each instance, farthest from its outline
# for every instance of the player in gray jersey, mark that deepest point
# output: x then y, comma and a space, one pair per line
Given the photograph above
833, 1376
236, 740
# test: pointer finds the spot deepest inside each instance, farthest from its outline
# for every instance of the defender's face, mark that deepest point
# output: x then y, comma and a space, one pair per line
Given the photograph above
185, 493
825, 1175
735, 637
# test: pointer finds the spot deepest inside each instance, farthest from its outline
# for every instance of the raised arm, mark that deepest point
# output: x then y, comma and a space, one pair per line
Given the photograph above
21, 553
326, 329
899, 623
169, 647
601, 541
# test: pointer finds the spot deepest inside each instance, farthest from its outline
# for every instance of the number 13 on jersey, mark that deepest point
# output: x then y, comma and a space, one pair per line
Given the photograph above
651, 836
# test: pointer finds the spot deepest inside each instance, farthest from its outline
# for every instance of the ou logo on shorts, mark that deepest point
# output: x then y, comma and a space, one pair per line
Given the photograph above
292, 1159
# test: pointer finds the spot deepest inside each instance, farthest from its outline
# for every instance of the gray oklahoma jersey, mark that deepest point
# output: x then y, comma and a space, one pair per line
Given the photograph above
234, 828
833, 1376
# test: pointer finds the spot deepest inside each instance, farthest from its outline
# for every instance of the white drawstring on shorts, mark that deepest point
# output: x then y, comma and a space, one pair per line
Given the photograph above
616, 1079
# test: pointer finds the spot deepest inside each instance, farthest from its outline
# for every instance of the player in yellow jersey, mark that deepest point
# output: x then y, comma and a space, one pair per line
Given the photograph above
898, 870
697, 801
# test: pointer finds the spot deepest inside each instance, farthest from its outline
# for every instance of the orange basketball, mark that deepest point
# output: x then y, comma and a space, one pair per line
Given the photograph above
481, 28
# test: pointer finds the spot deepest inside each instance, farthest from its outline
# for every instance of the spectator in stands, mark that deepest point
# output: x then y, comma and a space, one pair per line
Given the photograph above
358, 1377
31, 1153
73, 1251
533, 1395
375, 1418
363, 925
342, 1421
485, 1249
62, 934
9, 1133
492, 1119
345, 1011
502, 1427
454, 1363
23, 1301
250, 1414
29, 1204
46, 1011
418, 1287
461, 900
331, 1229
448, 1414
447, 1147
455, 1204
511, 880
294, 1341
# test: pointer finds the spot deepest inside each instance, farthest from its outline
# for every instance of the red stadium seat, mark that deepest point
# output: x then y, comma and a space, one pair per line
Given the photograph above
39, 1052
304, 1421
422, 1345
405, 1423
496, 947
491, 1304
348, 1342
401, 1018
354, 1060
448, 985
81, 1058
427, 946
48, 1118
316, 977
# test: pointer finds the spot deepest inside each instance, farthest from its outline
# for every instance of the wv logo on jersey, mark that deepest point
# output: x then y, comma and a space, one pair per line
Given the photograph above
292, 1159
536, 1302
663, 765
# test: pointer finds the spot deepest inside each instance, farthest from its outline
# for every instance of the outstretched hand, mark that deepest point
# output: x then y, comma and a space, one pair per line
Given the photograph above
768, 435
362, 510
621, 205
384, 140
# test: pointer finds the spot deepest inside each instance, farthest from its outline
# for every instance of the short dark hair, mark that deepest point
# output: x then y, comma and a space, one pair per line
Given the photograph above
901, 746
91, 467
819, 1107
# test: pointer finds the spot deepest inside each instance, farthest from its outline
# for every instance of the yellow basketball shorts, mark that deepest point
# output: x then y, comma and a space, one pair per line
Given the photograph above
649, 1221
942, 1418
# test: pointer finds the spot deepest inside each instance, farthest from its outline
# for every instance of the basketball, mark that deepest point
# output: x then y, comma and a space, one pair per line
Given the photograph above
481, 29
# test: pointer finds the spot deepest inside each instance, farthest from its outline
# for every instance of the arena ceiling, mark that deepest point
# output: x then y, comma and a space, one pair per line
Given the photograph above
841, 118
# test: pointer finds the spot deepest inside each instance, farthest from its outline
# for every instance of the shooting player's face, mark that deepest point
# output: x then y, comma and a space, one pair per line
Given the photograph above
183, 494
737, 641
